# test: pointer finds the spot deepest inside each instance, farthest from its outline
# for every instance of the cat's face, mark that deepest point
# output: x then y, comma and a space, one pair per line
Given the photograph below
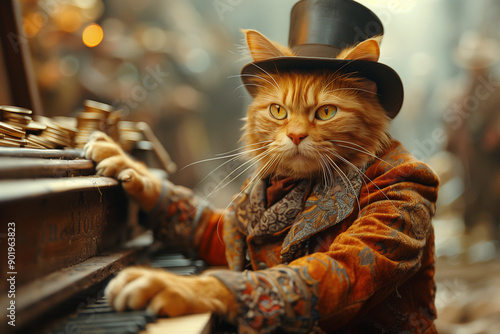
310, 125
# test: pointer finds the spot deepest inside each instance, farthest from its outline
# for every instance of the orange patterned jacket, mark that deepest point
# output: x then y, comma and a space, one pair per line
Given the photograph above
357, 257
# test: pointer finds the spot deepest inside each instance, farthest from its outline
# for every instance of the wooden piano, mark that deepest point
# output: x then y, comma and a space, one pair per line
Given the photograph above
72, 231
64, 231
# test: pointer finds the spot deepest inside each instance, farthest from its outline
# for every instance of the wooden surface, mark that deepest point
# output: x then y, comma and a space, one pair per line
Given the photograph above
61, 222
36, 153
21, 168
17, 58
35, 299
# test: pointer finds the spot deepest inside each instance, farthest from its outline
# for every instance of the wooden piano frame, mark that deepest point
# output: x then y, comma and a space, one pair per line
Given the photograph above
72, 228
17, 80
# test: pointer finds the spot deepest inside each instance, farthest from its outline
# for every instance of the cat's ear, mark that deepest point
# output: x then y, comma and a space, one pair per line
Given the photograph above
261, 48
366, 50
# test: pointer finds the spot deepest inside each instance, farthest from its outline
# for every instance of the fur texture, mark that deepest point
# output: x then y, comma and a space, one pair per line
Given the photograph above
301, 145
360, 120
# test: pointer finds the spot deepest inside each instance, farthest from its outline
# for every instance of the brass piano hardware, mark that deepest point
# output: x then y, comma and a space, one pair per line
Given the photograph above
160, 152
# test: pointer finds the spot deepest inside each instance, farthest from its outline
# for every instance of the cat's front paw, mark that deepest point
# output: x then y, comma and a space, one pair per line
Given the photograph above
167, 294
100, 146
110, 158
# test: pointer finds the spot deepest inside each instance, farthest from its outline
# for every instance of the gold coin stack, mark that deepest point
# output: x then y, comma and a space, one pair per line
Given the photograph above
18, 129
14, 124
94, 117
130, 135
55, 135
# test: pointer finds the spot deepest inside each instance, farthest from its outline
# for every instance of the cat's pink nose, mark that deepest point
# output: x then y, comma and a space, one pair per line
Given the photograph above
297, 138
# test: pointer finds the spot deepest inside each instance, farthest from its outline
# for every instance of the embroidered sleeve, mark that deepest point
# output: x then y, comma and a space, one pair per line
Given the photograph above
184, 221
276, 298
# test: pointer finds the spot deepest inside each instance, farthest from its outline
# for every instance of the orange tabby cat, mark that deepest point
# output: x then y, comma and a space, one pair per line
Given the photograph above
317, 132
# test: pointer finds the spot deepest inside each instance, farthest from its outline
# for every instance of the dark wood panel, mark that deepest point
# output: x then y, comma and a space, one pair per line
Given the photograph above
36, 153
22, 168
17, 58
41, 297
60, 222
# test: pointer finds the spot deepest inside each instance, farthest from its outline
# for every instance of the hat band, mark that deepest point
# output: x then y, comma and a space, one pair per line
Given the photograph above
316, 50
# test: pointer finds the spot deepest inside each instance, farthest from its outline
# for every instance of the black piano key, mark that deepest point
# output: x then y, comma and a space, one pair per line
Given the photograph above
99, 309
179, 266
70, 328
117, 330
102, 301
187, 270
116, 316
169, 256
139, 324
128, 326
170, 263
100, 318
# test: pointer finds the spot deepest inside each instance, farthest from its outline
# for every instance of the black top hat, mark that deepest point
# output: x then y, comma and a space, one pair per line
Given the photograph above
319, 30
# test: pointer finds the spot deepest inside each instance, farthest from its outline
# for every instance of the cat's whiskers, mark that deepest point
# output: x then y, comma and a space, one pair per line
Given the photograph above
275, 85
251, 163
383, 193
327, 172
355, 89
337, 78
345, 178
236, 155
258, 175
244, 147
361, 150
279, 165
354, 167
250, 84
341, 68
265, 169
363, 175
260, 68
318, 159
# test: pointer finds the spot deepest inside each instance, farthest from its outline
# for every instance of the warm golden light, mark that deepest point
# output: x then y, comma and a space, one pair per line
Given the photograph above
32, 23
92, 35
68, 19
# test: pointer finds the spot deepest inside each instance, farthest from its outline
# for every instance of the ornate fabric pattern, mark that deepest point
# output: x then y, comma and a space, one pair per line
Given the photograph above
235, 243
257, 220
324, 208
272, 299
183, 210
355, 253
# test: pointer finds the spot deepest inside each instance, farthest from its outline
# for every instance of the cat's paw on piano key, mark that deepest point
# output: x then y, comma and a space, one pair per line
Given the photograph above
167, 294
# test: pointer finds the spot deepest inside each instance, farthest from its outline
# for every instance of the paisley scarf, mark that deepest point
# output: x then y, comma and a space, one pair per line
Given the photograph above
306, 209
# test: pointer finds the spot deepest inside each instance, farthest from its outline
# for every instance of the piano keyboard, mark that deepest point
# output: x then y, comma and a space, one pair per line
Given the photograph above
100, 318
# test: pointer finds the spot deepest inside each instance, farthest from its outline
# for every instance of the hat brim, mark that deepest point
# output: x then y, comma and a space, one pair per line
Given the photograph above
389, 86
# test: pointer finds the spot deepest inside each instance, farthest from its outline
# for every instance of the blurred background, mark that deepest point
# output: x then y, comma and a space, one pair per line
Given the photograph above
175, 63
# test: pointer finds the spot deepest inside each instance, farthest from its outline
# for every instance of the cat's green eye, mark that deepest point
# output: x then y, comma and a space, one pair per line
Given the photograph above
278, 111
326, 112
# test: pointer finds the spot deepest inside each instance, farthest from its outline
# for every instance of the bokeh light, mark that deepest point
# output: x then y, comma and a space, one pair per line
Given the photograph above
68, 19
32, 23
69, 65
92, 35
